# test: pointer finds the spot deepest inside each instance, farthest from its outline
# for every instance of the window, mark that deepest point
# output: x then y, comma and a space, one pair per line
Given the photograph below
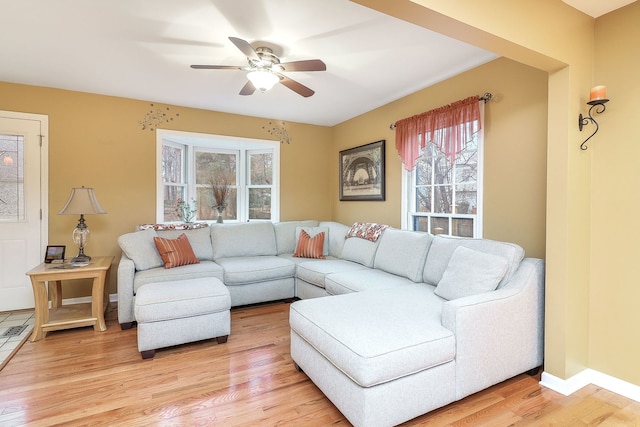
193, 165
442, 194
12, 203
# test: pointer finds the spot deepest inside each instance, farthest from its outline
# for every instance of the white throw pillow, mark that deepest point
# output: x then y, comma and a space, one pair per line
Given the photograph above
312, 231
470, 272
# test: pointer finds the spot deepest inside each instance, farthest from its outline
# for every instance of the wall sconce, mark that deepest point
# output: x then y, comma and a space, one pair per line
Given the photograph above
597, 101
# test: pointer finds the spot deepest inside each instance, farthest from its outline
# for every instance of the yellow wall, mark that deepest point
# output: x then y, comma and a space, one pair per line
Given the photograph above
515, 151
614, 321
96, 141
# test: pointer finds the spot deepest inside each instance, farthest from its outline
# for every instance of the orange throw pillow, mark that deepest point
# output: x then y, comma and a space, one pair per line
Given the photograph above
176, 252
309, 247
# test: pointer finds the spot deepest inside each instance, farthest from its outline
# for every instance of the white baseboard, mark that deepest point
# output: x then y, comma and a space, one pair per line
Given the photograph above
590, 376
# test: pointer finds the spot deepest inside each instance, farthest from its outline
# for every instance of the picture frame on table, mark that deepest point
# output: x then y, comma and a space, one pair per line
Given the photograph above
362, 172
54, 254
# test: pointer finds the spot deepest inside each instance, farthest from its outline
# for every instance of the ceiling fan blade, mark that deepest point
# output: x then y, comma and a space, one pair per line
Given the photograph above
216, 67
298, 88
308, 65
245, 47
248, 89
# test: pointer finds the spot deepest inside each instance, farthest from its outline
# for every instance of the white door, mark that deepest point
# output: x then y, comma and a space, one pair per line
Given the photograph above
23, 204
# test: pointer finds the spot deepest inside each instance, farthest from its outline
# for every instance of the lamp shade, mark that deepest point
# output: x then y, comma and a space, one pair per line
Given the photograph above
263, 80
82, 201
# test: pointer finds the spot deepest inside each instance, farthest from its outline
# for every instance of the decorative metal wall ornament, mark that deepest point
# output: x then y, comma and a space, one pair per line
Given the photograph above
155, 117
279, 131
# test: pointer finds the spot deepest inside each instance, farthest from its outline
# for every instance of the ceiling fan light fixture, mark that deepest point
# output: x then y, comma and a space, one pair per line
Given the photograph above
263, 80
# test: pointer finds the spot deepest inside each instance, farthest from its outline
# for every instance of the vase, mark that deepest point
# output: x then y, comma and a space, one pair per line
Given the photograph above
220, 209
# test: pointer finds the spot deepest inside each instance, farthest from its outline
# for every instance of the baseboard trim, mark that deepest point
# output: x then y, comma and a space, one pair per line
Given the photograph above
590, 376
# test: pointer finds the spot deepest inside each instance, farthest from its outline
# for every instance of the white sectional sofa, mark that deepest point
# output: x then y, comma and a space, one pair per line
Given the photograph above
387, 329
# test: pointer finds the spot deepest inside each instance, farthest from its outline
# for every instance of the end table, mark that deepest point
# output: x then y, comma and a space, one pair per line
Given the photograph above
73, 315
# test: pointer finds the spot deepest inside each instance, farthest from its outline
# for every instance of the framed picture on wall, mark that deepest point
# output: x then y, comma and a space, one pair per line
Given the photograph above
362, 172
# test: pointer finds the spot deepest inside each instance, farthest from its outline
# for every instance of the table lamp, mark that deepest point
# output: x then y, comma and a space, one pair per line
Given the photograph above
81, 201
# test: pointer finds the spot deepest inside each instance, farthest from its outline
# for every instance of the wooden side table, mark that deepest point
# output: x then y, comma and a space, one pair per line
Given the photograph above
74, 315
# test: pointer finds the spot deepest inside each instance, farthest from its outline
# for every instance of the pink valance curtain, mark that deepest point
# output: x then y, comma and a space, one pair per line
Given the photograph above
449, 127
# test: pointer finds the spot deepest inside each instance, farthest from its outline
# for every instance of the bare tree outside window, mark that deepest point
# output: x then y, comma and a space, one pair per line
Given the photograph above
446, 190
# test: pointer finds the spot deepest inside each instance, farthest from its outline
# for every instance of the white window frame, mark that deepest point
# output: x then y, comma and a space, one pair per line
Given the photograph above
218, 143
409, 194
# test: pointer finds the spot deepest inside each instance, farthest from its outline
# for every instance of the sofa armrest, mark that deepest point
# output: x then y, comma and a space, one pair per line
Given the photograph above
498, 334
126, 274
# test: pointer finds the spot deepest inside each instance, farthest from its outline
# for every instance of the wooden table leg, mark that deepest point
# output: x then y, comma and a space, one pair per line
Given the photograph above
41, 310
97, 302
55, 293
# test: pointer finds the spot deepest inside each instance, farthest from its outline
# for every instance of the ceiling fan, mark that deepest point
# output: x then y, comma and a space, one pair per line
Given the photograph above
265, 69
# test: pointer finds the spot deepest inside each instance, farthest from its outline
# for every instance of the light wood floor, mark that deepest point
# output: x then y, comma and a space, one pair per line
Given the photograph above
81, 377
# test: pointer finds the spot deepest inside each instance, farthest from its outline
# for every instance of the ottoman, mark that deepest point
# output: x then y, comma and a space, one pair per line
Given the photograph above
181, 311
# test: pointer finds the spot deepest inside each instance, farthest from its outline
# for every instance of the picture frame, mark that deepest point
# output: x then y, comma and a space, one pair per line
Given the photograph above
362, 172
54, 254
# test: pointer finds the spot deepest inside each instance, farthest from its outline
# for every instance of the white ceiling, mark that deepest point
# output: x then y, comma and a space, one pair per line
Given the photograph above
597, 8
142, 49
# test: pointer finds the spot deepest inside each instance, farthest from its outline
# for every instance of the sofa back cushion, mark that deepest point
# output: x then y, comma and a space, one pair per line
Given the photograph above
360, 250
337, 232
141, 249
403, 253
286, 238
470, 272
245, 239
442, 249
200, 240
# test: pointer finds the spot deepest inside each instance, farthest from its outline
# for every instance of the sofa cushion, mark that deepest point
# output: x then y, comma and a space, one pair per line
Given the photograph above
244, 270
314, 272
199, 238
310, 247
443, 247
286, 237
246, 239
373, 340
181, 299
403, 253
360, 250
192, 271
314, 231
363, 280
337, 233
175, 252
140, 248
470, 272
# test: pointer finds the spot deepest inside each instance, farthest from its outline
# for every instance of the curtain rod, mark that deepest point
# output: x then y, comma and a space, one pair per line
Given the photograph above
486, 98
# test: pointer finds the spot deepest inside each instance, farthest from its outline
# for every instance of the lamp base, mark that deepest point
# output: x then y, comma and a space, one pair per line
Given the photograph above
80, 259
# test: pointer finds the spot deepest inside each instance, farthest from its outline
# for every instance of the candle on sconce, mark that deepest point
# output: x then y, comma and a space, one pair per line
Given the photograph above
598, 93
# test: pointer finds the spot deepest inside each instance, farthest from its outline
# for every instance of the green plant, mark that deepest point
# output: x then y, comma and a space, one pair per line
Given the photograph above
184, 209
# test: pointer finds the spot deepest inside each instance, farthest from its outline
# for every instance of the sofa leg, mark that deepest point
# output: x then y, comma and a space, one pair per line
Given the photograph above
148, 354
125, 326
533, 372
223, 339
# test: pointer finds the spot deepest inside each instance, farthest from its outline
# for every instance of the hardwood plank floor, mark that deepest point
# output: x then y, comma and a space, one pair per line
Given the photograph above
80, 377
